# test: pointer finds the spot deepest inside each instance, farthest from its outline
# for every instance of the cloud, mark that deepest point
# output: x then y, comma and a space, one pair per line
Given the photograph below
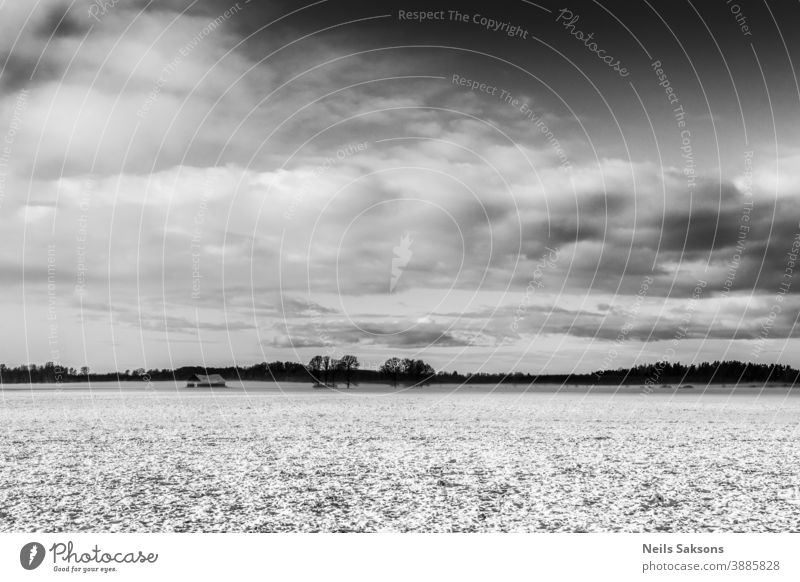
179, 169
406, 334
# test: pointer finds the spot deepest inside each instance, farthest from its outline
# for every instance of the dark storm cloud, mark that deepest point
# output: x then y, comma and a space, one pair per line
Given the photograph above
60, 21
705, 220
34, 31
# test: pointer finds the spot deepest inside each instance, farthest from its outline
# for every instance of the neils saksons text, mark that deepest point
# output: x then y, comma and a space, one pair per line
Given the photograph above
681, 549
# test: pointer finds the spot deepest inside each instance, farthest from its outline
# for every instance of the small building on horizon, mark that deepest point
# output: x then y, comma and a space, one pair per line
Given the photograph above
206, 381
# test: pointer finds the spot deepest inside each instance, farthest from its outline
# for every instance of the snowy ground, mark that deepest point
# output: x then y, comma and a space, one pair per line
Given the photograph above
420, 460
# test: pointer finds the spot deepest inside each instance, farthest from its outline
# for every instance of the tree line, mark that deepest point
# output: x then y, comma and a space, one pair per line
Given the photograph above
324, 371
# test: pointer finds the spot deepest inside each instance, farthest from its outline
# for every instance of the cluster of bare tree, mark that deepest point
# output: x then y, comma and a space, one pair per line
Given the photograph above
408, 370
323, 369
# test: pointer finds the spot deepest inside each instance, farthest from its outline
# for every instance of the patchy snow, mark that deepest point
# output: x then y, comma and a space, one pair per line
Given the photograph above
419, 460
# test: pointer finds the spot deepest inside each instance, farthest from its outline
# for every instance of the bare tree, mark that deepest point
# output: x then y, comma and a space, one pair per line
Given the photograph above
416, 371
326, 368
347, 364
392, 368
334, 366
315, 367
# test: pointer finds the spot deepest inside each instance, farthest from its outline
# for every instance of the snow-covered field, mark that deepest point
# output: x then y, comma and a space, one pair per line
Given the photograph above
419, 460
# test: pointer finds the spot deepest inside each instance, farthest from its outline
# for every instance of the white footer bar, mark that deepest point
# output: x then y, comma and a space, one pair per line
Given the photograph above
380, 557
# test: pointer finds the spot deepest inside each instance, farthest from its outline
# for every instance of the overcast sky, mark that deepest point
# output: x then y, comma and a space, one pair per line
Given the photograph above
523, 186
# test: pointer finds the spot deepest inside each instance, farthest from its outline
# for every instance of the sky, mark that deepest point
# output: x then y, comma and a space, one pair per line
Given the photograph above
505, 186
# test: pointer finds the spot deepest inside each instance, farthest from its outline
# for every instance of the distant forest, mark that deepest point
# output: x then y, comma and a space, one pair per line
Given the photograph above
346, 371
